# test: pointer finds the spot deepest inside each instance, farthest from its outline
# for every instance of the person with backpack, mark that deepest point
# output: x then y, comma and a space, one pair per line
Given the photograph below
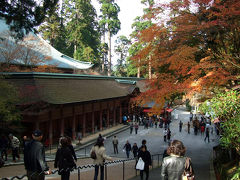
98, 154
64, 159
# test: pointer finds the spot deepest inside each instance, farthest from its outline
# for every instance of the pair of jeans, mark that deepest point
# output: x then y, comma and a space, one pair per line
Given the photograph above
15, 153
101, 172
127, 152
115, 147
146, 171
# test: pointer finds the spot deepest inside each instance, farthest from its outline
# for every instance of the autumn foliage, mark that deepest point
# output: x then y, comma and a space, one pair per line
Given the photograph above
192, 46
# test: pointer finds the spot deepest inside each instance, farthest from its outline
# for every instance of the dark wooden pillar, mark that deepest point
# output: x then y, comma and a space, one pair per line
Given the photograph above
129, 109
120, 113
114, 113
73, 123
62, 121
108, 114
84, 123
50, 136
93, 123
101, 117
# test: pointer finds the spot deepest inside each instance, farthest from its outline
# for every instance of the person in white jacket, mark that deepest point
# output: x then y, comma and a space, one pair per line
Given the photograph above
15, 144
101, 156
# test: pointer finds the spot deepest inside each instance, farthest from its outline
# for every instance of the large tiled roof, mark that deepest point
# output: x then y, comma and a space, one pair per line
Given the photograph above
66, 88
55, 57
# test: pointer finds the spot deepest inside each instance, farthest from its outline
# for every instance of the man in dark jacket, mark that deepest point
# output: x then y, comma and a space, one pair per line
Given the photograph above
146, 157
34, 158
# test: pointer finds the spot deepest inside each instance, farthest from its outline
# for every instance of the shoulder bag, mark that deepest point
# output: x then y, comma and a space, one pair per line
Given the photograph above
93, 154
188, 173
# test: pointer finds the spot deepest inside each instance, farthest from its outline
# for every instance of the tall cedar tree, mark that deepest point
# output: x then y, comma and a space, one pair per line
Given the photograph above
121, 49
51, 28
110, 22
24, 15
82, 29
139, 24
195, 47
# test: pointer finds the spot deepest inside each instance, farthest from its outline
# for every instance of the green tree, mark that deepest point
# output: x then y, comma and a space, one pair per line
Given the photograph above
136, 67
225, 106
110, 22
121, 49
9, 97
24, 15
51, 27
82, 29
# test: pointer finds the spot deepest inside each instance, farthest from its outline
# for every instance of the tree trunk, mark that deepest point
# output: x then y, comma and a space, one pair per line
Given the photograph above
109, 53
104, 55
138, 73
75, 51
150, 68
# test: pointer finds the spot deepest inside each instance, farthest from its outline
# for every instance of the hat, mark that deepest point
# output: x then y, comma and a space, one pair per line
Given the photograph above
37, 133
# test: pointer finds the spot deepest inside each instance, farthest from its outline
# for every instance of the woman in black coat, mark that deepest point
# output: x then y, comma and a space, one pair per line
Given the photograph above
146, 157
64, 160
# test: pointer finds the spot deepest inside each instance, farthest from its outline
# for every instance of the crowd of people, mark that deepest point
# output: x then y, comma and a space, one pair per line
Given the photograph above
174, 165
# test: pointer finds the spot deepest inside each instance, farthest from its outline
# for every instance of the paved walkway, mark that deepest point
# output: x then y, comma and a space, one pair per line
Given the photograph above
197, 149
86, 141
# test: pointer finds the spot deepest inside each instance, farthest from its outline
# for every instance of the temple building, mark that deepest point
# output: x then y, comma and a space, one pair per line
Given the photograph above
61, 104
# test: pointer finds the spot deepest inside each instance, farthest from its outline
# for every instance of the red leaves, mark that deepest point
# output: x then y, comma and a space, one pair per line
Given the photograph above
192, 51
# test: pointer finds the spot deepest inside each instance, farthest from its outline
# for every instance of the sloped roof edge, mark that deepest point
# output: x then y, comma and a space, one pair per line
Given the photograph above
127, 80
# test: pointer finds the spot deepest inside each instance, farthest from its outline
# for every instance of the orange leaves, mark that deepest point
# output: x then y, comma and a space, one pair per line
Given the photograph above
182, 59
193, 51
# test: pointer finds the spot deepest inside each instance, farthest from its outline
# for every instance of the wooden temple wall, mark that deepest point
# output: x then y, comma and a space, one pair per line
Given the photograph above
70, 119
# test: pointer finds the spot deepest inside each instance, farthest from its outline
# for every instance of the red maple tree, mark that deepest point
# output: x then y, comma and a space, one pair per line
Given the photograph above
193, 46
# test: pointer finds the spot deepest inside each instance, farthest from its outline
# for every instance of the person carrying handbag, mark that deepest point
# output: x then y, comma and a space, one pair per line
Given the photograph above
101, 156
176, 166
145, 155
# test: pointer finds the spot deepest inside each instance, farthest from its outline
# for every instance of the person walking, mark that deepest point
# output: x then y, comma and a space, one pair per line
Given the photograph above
135, 150
127, 148
64, 159
70, 146
188, 127
146, 157
207, 135
180, 126
168, 134
115, 144
136, 127
131, 128
202, 129
4, 147
173, 166
34, 158
15, 144
165, 135
101, 156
